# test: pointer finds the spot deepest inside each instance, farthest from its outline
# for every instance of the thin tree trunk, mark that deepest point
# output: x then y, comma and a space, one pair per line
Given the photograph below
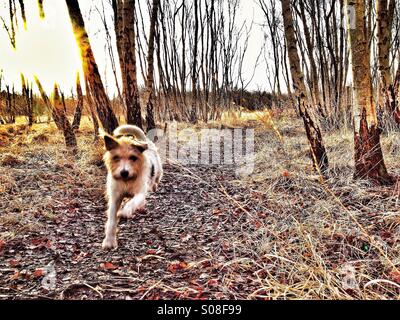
132, 101
386, 94
27, 94
193, 114
79, 105
310, 49
119, 35
57, 109
318, 152
92, 113
150, 68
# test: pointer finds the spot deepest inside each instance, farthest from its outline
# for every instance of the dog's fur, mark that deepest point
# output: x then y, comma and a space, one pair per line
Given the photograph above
134, 168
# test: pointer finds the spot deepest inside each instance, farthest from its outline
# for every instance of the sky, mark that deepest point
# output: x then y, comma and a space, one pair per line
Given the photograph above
48, 50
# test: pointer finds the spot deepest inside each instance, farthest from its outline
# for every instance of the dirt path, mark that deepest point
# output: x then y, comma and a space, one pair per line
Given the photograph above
181, 247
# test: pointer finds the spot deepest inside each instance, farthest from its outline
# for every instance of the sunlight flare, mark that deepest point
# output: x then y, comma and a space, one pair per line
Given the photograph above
46, 48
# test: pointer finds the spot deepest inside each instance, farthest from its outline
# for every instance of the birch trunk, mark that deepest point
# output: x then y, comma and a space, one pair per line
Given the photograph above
368, 157
318, 152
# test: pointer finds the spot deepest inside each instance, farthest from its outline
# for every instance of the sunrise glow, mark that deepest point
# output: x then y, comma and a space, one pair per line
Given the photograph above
47, 49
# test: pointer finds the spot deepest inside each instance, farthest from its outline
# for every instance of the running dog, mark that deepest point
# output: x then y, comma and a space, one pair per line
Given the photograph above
134, 168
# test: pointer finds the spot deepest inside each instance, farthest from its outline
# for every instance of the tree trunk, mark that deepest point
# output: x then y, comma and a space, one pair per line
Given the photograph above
150, 68
79, 105
384, 38
318, 152
57, 109
27, 94
310, 48
368, 155
194, 115
40, 7
90, 68
93, 114
132, 101
386, 94
68, 132
119, 35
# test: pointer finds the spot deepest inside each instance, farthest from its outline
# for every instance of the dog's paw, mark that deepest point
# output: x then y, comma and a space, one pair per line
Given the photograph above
124, 213
109, 243
141, 206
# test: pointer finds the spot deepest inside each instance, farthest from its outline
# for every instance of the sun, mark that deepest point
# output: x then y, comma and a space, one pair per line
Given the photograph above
47, 49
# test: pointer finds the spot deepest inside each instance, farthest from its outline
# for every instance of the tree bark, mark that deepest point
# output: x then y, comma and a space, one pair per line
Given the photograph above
79, 105
318, 152
27, 94
119, 35
368, 157
90, 68
193, 114
57, 109
93, 114
150, 68
132, 101
386, 95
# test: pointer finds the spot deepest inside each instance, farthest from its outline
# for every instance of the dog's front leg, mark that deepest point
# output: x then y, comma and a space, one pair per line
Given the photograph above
137, 202
110, 240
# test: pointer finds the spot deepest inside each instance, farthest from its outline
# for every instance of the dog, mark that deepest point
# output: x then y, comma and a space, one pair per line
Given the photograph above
134, 168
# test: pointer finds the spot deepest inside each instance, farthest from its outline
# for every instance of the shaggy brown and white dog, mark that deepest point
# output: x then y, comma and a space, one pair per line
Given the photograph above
134, 168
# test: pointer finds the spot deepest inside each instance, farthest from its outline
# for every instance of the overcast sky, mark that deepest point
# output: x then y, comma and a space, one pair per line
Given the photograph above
48, 49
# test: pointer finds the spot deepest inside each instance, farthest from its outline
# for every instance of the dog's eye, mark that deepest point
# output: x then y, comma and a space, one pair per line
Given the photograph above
115, 158
133, 158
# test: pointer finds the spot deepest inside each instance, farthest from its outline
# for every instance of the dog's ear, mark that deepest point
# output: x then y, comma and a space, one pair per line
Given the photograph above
109, 142
141, 146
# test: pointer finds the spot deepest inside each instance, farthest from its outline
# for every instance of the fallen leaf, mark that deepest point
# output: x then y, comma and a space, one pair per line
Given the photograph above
177, 265
217, 211
257, 224
286, 174
212, 282
186, 238
2, 243
395, 276
13, 263
108, 266
38, 272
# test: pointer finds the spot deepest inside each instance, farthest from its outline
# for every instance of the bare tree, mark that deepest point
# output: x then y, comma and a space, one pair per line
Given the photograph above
57, 109
369, 162
318, 152
28, 97
90, 68
79, 104
150, 68
131, 91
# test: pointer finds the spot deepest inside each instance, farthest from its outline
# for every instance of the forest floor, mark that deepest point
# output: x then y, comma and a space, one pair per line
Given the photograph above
279, 233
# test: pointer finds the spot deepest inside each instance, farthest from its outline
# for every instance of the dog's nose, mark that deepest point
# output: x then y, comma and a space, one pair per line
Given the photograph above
124, 174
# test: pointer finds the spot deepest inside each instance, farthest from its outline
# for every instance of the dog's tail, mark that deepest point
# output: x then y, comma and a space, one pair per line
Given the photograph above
130, 130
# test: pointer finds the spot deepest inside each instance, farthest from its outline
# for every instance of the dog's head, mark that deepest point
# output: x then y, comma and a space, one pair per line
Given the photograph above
124, 156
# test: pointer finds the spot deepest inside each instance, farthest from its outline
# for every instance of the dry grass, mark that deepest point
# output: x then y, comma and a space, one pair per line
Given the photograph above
339, 239
303, 239
36, 163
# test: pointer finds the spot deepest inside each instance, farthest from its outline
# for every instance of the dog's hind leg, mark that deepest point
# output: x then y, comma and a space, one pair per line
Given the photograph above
137, 202
110, 240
